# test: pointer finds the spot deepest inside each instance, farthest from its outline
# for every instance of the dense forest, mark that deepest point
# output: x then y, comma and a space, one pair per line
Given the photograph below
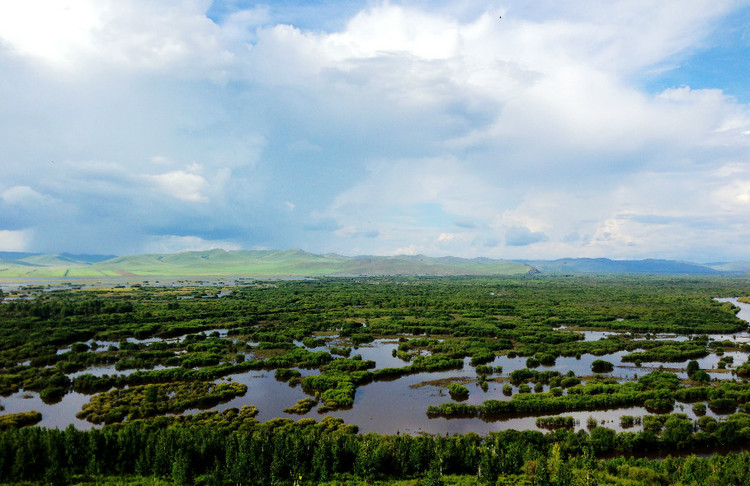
173, 348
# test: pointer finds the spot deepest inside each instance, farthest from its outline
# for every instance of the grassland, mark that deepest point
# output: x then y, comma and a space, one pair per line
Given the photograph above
252, 263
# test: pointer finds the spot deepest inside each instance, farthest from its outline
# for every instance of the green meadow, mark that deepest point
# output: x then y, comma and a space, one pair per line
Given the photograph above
252, 263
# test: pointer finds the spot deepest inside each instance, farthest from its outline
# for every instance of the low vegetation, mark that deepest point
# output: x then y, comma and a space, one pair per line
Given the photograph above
175, 348
150, 400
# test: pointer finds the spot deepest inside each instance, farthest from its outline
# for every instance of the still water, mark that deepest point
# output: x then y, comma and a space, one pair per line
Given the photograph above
400, 405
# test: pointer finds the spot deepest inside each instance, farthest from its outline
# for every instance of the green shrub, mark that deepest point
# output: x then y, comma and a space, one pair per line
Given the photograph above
458, 391
601, 366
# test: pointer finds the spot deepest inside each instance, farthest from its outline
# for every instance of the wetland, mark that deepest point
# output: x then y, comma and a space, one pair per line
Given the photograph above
392, 356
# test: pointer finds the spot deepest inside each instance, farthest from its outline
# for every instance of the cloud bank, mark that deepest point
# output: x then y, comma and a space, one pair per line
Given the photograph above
374, 128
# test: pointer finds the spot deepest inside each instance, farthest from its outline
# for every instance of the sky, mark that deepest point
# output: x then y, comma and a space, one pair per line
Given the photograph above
516, 129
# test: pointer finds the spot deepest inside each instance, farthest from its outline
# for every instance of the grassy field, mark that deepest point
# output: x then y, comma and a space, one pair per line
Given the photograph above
253, 263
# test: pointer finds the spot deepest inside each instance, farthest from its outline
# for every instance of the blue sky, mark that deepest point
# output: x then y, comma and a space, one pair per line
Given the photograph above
562, 129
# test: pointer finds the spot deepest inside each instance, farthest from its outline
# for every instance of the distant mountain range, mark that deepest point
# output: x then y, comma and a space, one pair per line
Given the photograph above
276, 263
605, 265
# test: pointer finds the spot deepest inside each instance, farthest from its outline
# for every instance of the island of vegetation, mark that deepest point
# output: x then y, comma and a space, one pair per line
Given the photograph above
167, 371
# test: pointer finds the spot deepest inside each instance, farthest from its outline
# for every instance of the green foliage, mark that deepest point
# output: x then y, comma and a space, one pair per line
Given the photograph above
669, 352
286, 374
302, 407
701, 375
627, 421
601, 366
150, 400
488, 370
660, 379
225, 448
522, 316
722, 405
439, 322
656, 391
21, 419
458, 391
692, 367
556, 422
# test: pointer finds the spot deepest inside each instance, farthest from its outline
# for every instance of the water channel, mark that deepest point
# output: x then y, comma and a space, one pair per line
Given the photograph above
400, 405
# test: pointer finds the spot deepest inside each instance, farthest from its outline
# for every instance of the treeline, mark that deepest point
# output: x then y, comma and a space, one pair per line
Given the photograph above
58, 308
284, 452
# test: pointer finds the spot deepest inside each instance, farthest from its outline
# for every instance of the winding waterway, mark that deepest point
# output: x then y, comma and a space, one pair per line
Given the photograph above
399, 406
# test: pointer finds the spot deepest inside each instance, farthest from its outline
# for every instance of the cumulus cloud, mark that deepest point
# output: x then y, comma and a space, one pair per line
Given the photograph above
183, 185
425, 189
25, 196
522, 236
52, 31
393, 128
15, 240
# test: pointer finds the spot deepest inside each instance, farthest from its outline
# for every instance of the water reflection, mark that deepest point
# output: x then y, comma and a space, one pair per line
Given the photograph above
58, 415
400, 405
99, 344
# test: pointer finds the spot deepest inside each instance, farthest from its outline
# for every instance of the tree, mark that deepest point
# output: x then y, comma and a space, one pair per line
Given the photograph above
678, 430
559, 471
601, 366
692, 367
181, 471
701, 375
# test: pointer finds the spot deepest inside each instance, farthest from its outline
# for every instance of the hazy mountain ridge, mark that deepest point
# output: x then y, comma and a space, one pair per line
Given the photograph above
301, 263
650, 266
249, 262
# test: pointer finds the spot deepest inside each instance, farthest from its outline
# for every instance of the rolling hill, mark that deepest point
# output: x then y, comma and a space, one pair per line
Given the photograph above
278, 263
607, 266
250, 263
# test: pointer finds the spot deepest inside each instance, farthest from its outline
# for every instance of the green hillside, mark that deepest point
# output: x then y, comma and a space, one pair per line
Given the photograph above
422, 265
34, 265
607, 266
253, 263
736, 267
278, 263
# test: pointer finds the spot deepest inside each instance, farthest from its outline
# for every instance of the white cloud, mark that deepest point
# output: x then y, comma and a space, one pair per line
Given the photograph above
241, 25
26, 196
388, 28
54, 31
392, 187
130, 34
411, 249
408, 129
175, 243
183, 185
732, 190
18, 240
522, 236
